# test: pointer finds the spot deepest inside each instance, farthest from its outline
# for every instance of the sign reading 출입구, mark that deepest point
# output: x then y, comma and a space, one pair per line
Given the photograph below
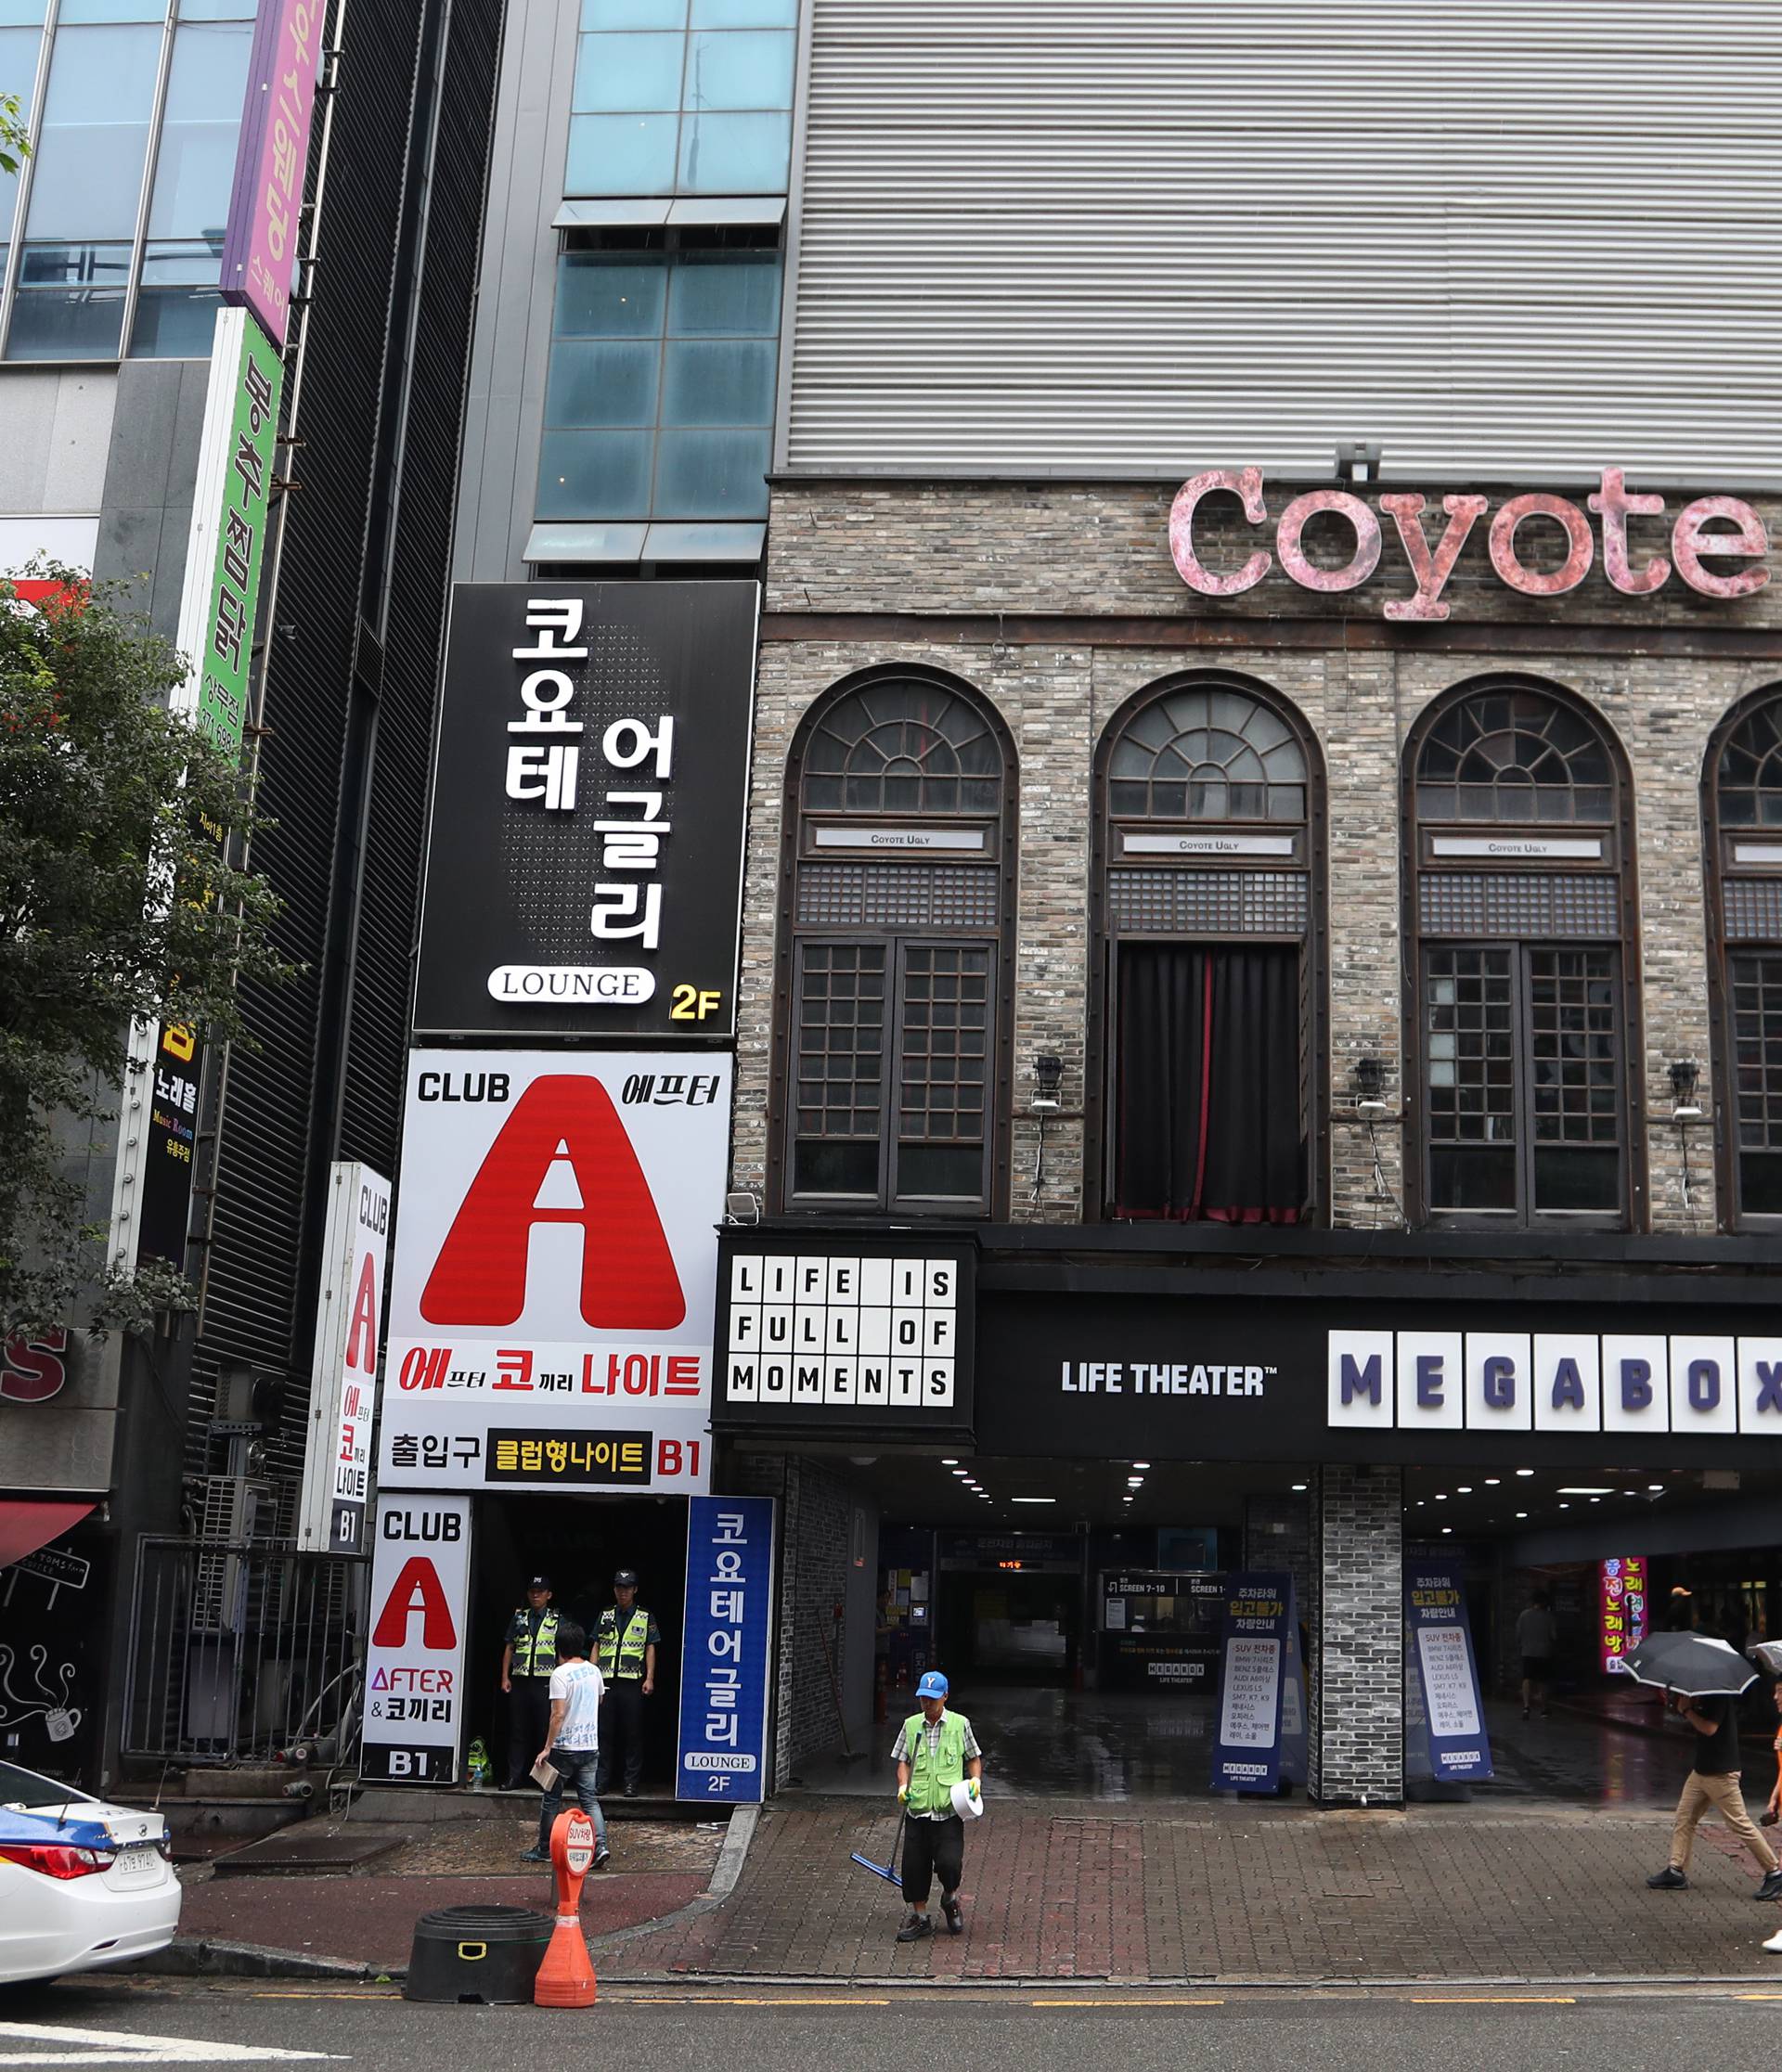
584, 865
551, 1303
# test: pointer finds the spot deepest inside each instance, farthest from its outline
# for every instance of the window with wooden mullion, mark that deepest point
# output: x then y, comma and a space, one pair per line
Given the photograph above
893, 1074
1754, 985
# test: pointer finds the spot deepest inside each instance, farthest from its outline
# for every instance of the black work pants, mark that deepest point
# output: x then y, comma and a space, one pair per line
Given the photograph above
622, 1728
528, 1723
935, 1848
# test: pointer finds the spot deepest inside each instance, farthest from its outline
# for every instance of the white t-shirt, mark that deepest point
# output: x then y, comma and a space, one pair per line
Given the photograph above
579, 1687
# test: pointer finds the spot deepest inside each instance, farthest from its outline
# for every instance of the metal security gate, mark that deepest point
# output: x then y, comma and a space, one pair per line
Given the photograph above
241, 1652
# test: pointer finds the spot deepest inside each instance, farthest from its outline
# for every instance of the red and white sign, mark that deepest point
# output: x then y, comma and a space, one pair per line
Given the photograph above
556, 1256
1722, 530
36, 1366
343, 1378
414, 1659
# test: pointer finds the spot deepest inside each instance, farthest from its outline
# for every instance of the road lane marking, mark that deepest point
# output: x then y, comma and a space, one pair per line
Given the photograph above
697, 1998
100, 2046
1493, 2000
1116, 1997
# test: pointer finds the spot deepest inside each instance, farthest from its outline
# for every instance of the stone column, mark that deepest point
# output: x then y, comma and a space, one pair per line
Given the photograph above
1357, 1753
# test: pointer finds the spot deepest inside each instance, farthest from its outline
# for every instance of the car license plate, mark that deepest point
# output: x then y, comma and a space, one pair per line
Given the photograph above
138, 1860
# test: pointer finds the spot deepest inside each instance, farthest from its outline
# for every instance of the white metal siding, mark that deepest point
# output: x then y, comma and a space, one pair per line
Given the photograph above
1135, 237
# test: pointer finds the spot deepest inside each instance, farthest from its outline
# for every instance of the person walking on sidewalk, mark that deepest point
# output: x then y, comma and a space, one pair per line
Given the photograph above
1537, 1634
625, 1639
936, 1751
573, 1743
1714, 1781
528, 1655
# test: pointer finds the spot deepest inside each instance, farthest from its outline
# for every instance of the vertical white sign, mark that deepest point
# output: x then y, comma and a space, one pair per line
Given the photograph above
414, 1661
344, 1376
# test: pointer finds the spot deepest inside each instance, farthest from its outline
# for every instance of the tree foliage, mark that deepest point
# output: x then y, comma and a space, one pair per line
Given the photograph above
116, 905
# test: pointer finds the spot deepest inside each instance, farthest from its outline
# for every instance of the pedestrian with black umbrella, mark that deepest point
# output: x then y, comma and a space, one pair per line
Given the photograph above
1704, 1678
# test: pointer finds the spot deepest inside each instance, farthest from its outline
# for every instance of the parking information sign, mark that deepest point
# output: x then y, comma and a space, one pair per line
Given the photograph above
1247, 1751
727, 1661
414, 1664
1445, 1737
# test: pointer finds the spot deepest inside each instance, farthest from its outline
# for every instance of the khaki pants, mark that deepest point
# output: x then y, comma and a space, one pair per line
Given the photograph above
1722, 1794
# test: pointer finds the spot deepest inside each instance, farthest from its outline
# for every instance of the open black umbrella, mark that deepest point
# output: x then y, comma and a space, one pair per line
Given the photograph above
1691, 1663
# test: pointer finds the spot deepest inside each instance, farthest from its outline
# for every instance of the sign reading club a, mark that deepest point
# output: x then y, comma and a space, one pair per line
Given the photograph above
1558, 1382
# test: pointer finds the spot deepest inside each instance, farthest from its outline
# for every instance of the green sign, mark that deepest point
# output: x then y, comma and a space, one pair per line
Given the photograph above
241, 488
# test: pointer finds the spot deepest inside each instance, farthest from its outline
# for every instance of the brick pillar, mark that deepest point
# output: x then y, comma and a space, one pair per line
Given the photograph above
1357, 1618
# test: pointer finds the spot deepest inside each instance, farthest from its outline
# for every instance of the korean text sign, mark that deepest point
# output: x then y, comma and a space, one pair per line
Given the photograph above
343, 1378
414, 1660
1253, 1659
1623, 1609
585, 859
722, 1750
556, 1259
1445, 1705
260, 240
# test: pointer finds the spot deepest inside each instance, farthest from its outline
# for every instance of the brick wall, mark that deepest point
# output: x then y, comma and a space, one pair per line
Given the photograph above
1277, 1537
1357, 1753
972, 548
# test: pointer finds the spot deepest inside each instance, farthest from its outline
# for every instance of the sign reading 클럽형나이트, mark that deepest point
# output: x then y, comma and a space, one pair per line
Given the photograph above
585, 862
727, 1653
414, 1658
343, 1380
550, 1301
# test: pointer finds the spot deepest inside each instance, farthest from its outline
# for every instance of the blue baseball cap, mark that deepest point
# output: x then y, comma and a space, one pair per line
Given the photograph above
933, 1685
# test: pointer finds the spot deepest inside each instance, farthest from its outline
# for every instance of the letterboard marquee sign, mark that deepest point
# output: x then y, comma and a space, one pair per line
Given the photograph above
584, 855
844, 1335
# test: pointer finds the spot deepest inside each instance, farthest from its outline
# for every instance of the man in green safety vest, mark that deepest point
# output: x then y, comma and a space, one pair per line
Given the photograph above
625, 1639
936, 1751
528, 1655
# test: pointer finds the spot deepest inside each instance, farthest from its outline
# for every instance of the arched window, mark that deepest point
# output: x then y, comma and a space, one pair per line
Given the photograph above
1209, 982
891, 1081
1519, 886
1742, 809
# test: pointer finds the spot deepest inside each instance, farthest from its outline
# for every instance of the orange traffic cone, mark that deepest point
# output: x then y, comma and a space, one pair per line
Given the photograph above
566, 1976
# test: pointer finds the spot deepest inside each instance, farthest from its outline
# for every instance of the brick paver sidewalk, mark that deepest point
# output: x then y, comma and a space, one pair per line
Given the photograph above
1059, 1890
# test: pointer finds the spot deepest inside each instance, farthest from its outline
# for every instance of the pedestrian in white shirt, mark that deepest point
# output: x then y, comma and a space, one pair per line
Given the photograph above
572, 1745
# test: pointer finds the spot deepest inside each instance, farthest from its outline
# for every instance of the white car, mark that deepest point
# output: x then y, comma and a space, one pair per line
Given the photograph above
82, 1883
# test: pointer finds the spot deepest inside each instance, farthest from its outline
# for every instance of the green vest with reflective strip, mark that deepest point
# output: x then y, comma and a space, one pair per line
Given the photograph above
932, 1776
534, 1654
625, 1649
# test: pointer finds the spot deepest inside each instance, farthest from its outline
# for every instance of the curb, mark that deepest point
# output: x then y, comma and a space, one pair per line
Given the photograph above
213, 1957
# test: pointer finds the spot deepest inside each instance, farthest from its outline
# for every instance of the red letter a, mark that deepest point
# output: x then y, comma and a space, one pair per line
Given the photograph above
628, 1278
417, 1588
362, 1332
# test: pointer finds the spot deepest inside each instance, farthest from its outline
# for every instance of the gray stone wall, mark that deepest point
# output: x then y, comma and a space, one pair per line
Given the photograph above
975, 549
1357, 1750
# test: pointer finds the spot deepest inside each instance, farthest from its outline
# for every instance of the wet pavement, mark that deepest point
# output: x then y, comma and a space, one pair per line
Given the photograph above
1116, 1747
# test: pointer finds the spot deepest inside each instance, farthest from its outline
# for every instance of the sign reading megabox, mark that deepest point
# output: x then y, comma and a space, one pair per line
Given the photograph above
1508, 1380
584, 866
550, 1307
846, 1339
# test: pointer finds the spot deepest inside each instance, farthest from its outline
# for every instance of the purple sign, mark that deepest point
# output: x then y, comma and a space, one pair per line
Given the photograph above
260, 244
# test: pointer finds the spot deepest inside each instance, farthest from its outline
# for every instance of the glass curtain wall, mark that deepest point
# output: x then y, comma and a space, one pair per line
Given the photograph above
128, 186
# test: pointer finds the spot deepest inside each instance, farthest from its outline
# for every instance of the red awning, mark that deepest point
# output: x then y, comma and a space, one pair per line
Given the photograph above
24, 1527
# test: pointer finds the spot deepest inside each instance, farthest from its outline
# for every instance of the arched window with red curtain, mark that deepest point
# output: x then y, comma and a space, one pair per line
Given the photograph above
1208, 1105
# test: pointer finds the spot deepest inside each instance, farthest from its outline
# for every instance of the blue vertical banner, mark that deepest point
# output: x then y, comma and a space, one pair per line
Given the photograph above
1446, 1739
1252, 1665
1295, 1704
727, 1651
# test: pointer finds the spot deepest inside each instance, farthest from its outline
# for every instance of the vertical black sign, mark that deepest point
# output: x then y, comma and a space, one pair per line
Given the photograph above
585, 857
176, 1070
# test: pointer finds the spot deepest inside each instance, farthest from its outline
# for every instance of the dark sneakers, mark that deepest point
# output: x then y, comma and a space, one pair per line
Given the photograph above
1771, 1887
916, 1927
955, 1920
1667, 1880
534, 1855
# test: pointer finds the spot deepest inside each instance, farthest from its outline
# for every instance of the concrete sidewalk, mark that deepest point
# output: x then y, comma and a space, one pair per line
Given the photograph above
1229, 1893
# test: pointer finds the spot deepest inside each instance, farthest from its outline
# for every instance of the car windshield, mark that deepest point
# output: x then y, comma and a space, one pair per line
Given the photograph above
23, 1789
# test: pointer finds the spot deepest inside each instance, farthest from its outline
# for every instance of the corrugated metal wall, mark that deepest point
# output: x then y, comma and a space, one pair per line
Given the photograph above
1132, 238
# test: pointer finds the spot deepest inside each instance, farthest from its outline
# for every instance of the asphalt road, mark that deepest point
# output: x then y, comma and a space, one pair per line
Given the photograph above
168, 2023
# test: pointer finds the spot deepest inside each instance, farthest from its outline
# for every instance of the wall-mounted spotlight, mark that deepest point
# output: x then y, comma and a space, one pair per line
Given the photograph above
1370, 1086
1048, 1073
1685, 1076
1358, 460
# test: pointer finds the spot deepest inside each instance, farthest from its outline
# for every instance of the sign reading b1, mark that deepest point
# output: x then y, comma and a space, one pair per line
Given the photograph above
414, 1661
584, 865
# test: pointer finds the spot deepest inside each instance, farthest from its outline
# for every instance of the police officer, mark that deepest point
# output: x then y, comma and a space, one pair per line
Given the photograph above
625, 1642
527, 1659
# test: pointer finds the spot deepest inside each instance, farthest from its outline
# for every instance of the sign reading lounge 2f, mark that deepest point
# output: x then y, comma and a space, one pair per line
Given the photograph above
1630, 1384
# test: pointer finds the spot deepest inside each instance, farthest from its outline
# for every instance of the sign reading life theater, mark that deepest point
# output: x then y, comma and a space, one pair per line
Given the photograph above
584, 866
864, 1333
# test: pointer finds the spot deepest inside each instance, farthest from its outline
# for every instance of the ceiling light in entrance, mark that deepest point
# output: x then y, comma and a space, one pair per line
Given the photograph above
1583, 1489
1300, 1488
1141, 1464
1524, 1471
1033, 1500
1655, 1488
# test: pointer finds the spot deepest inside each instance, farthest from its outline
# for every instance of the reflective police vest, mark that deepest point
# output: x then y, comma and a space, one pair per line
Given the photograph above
533, 1655
626, 1649
932, 1776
